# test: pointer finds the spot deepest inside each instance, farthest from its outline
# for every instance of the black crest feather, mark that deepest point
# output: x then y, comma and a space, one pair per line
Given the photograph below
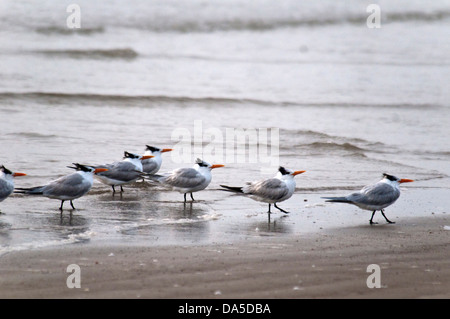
283, 171
390, 177
152, 148
201, 163
5, 170
130, 155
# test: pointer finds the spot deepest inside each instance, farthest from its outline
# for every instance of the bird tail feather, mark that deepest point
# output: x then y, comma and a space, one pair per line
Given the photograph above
232, 189
29, 191
152, 177
336, 199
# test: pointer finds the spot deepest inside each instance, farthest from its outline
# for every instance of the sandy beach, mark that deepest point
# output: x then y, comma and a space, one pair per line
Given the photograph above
412, 255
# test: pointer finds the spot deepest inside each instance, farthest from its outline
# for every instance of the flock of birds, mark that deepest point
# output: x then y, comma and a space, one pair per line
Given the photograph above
133, 167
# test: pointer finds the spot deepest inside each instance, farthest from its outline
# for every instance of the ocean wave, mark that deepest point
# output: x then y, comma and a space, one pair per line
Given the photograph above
125, 99
33, 135
417, 16
261, 24
223, 18
333, 146
315, 140
327, 137
306, 133
150, 100
125, 53
258, 24
64, 30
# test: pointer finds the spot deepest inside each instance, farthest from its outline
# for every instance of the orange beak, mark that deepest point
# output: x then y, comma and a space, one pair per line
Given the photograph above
146, 157
99, 170
19, 174
166, 150
297, 172
217, 166
405, 180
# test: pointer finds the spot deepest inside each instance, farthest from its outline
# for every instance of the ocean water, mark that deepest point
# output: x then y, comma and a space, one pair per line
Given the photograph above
322, 92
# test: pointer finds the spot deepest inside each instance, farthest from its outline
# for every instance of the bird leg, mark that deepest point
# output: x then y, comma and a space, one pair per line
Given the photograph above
71, 204
191, 197
61, 207
269, 210
275, 204
114, 190
371, 222
390, 222
121, 189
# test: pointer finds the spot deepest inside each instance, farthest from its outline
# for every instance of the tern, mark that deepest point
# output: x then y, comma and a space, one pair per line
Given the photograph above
272, 190
68, 187
7, 182
152, 165
376, 196
188, 180
124, 172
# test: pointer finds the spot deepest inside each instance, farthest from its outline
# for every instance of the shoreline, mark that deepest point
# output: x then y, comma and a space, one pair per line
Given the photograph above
412, 255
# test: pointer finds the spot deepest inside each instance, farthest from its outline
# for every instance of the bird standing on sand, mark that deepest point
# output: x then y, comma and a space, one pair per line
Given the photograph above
7, 182
188, 180
272, 190
374, 197
152, 165
124, 172
68, 187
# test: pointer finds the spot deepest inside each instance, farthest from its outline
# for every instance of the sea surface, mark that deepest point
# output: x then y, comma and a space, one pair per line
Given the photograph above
249, 84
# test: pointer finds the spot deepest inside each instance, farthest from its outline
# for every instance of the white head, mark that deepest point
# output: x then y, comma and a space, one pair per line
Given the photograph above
202, 165
394, 181
156, 151
7, 174
87, 169
284, 173
135, 159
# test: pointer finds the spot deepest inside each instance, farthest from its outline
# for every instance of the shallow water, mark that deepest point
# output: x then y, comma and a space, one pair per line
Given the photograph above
344, 102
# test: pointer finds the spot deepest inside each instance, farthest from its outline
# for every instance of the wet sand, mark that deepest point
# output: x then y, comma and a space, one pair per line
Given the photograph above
413, 256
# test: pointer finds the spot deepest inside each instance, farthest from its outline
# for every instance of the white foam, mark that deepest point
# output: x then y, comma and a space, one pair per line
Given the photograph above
212, 216
71, 239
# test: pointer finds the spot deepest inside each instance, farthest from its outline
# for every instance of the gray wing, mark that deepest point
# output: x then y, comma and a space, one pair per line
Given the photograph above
5, 189
185, 178
273, 189
376, 194
73, 185
121, 171
150, 167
